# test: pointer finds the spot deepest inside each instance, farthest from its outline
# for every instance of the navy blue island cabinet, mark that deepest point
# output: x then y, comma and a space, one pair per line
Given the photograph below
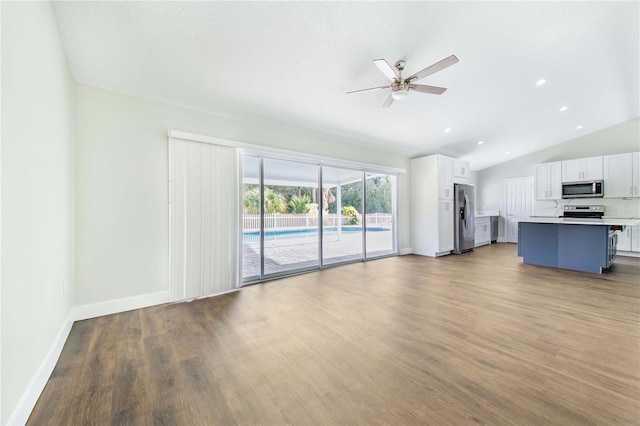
588, 248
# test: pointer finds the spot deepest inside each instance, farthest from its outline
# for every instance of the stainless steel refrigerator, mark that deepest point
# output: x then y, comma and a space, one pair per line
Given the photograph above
463, 220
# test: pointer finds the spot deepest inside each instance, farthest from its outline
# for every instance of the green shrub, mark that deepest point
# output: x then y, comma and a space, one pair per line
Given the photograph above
352, 214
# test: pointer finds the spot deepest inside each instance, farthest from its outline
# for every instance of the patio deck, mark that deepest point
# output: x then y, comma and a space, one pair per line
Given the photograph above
302, 252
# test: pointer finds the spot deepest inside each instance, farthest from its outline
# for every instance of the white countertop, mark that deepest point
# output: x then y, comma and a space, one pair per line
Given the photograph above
487, 213
573, 221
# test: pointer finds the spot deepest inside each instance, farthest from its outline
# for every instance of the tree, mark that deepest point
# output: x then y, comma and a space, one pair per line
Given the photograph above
299, 205
251, 199
274, 202
379, 199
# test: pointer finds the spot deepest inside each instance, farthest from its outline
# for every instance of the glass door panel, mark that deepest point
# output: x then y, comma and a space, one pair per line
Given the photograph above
290, 216
251, 254
341, 215
380, 214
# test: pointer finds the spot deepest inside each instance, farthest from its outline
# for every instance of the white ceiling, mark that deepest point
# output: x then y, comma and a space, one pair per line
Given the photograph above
292, 62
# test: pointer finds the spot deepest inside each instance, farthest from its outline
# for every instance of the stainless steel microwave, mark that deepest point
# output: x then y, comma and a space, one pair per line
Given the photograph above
593, 189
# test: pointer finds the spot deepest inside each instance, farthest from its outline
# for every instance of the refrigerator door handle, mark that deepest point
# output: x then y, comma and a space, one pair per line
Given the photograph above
466, 203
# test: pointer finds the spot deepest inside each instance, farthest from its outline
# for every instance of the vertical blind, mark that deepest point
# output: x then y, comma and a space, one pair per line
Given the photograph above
204, 194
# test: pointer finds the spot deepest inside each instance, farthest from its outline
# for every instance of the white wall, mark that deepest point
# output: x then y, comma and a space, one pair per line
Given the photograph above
623, 137
121, 185
37, 194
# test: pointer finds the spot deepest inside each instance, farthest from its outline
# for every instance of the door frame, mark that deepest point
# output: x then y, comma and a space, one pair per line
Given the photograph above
506, 198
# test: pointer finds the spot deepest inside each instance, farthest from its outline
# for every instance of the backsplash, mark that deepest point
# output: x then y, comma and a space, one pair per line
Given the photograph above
614, 207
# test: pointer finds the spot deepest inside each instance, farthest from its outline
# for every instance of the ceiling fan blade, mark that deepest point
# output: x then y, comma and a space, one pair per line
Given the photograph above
389, 101
387, 69
370, 88
438, 66
423, 88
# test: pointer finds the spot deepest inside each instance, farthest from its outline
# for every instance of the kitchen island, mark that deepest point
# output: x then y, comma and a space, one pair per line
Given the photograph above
587, 245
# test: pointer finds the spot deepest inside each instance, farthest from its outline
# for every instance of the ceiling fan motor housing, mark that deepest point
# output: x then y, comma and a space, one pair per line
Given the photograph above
400, 90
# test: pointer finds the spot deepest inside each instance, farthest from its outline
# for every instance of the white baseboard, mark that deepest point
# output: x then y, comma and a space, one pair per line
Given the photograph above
628, 254
406, 250
502, 240
35, 388
109, 307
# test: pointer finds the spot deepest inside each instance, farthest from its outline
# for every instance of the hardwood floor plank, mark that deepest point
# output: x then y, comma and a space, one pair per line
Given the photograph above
478, 338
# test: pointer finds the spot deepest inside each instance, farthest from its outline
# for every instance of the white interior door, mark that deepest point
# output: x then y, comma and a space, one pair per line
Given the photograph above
518, 205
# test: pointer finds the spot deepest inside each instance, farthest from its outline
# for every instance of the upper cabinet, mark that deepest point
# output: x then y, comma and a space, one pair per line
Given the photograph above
548, 185
445, 178
622, 175
461, 170
582, 169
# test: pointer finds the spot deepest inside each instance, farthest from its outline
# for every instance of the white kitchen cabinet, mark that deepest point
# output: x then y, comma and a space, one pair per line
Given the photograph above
624, 239
461, 170
635, 177
622, 175
432, 205
482, 231
629, 239
445, 177
635, 239
445, 225
582, 169
548, 182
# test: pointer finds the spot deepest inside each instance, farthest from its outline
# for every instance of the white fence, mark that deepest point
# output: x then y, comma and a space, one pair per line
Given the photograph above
251, 222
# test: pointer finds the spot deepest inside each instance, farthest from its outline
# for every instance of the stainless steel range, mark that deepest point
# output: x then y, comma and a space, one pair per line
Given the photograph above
583, 212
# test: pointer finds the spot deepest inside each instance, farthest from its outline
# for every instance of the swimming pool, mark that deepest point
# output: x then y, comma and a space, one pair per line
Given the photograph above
288, 234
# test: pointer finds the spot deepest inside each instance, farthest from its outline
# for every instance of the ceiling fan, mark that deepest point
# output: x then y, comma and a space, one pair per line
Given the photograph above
400, 87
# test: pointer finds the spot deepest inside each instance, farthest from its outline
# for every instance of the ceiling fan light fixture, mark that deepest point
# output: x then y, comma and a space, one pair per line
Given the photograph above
400, 93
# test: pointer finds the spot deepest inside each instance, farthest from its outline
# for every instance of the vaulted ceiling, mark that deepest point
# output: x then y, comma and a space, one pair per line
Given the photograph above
293, 62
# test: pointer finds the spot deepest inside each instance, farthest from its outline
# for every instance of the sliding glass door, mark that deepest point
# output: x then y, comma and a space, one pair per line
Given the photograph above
380, 214
290, 216
342, 215
301, 216
251, 219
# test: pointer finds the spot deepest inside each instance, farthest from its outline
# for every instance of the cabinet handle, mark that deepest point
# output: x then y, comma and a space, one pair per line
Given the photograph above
447, 206
447, 192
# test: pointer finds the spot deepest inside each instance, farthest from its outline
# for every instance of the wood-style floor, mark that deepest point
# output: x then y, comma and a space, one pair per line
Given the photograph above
473, 339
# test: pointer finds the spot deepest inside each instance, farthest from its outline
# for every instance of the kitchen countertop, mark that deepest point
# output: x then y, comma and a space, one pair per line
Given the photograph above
574, 221
487, 213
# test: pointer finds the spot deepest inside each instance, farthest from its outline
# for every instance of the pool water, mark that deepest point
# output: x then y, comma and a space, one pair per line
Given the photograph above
288, 234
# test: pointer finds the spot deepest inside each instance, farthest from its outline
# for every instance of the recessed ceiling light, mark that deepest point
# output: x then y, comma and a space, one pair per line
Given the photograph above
541, 82
564, 108
480, 142
579, 127
507, 153
447, 130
